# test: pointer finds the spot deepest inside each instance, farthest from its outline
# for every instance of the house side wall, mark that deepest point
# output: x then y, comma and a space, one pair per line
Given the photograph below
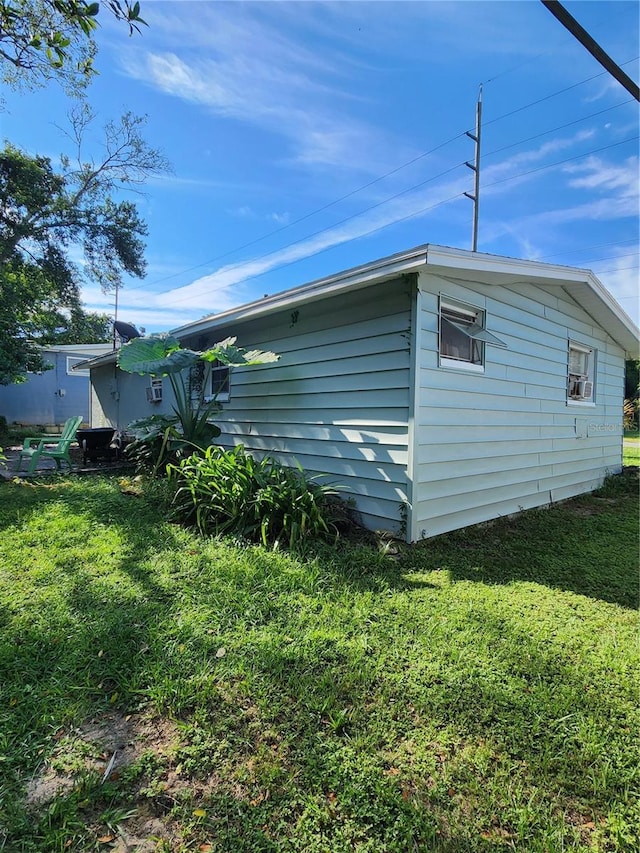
118, 398
337, 400
492, 444
48, 398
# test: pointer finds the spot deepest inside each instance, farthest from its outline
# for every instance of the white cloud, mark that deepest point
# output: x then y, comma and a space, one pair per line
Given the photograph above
506, 168
223, 282
202, 293
598, 174
620, 275
238, 64
280, 218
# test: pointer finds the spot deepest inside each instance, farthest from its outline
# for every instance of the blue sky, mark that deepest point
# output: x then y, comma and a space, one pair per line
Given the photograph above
309, 137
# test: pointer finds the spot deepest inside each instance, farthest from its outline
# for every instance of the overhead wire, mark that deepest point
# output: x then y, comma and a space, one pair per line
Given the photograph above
274, 232
412, 215
588, 248
387, 174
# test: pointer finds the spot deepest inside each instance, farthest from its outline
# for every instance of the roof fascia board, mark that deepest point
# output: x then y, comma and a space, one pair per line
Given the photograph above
97, 361
477, 262
535, 272
354, 279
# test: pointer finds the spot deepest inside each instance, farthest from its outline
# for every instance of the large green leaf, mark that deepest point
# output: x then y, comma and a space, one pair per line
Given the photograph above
227, 353
156, 355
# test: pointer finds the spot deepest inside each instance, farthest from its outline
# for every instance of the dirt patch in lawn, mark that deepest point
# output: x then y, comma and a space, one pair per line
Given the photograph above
104, 746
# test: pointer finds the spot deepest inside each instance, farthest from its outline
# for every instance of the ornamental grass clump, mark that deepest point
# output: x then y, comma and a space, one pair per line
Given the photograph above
230, 492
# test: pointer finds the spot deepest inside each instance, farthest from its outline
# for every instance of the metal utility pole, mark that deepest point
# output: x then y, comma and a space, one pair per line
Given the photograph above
475, 167
115, 318
567, 20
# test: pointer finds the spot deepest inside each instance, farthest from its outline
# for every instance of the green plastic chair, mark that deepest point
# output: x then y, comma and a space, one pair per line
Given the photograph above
54, 447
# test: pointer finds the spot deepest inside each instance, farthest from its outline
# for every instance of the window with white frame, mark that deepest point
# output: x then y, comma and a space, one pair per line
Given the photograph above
581, 373
71, 361
154, 390
463, 336
219, 381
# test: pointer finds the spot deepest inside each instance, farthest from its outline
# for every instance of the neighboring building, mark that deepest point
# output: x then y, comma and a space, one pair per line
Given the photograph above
441, 387
47, 399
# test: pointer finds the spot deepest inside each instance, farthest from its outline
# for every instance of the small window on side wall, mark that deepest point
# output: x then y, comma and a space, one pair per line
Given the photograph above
463, 336
72, 360
581, 373
219, 382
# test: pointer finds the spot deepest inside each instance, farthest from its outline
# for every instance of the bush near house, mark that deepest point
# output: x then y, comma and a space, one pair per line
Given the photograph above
229, 491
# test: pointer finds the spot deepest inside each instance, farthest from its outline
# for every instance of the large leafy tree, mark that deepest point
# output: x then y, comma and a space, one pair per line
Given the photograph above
48, 216
42, 40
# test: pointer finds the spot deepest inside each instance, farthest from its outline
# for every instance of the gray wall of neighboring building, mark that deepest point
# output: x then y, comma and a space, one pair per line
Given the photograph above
51, 397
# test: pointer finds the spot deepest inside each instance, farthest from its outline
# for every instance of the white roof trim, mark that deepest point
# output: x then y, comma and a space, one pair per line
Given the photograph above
603, 307
582, 283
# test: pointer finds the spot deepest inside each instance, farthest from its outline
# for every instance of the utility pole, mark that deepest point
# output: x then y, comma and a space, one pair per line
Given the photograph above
475, 168
115, 318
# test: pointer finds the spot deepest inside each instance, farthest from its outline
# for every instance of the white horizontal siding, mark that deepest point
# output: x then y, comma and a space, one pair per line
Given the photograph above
337, 401
489, 444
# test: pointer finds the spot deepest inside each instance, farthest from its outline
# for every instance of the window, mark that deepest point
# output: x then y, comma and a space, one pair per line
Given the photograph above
154, 390
463, 336
219, 381
581, 373
71, 360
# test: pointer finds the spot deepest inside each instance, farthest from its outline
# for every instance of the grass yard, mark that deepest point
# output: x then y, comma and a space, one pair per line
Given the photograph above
631, 451
159, 691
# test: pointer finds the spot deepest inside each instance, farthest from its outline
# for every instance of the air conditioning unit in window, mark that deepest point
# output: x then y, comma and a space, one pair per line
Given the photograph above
584, 389
154, 394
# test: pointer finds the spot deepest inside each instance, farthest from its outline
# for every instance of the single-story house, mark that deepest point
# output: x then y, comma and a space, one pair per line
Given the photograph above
441, 387
50, 397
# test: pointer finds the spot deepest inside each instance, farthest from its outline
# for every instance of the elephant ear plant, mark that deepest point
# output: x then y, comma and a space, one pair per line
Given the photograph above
162, 438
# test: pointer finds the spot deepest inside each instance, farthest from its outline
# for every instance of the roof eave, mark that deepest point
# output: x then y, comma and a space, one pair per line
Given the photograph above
351, 279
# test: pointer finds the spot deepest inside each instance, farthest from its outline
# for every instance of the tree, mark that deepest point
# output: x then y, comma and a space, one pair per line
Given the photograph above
45, 39
46, 215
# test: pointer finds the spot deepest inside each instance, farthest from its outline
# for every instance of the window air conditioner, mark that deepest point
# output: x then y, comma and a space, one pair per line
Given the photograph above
584, 389
154, 394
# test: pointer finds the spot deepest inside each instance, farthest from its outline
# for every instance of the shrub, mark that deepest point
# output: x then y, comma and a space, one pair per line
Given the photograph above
229, 491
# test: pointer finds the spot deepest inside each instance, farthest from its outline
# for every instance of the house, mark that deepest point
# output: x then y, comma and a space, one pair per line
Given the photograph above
50, 397
442, 387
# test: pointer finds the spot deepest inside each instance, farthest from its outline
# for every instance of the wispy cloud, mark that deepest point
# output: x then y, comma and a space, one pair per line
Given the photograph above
411, 205
239, 65
620, 276
599, 174
226, 279
510, 165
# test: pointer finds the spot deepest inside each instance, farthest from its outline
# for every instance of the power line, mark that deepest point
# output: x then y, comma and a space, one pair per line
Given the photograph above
412, 215
612, 258
567, 20
313, 212
326, 248
421, 156
588, 248
554, 129
618, 269
553, 95
567, 160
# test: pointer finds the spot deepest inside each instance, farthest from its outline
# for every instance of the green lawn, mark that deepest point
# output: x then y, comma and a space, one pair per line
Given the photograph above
477, 692
631, 451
